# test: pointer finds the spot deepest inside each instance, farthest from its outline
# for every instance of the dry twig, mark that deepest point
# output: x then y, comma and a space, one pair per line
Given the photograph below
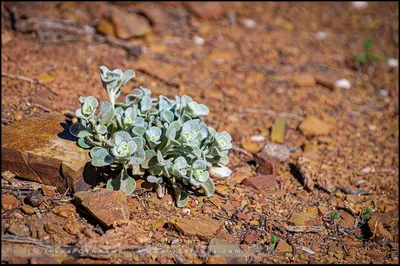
28, 79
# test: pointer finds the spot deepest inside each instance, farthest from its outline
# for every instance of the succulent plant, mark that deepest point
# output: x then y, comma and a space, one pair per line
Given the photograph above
160, 140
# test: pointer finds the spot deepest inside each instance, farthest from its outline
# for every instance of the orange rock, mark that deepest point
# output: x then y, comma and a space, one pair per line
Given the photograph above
304, 80
261, 182
45, 154
108, 206
313, 126
10, 202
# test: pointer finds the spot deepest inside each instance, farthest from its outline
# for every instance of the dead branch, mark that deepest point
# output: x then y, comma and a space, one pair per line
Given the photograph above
28, 79
271, 112
75, 28
238, 149
304, 229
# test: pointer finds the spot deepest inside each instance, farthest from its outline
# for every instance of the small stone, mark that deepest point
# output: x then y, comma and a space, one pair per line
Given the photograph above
346, 219
202, 227
249, 23
28, 209
335, 249
267, 165
304, 80
277, 150
10, 202
312, 209
198, 40
158, 223
320, 35
303, 218
251, 146
342, 84
158, 234
261, 182
129, 25
313, 126
35, 198
216, 259
278, 130
65, 211
283, 247
383, 93
220, 172
19, 229
73, 229
352, 243
206, 10
251, 237
385, 226
359, 4
18, 115
393, 62
105, 27
108, 206
242, 216
304, 195
257, 138
325, 80
47, 191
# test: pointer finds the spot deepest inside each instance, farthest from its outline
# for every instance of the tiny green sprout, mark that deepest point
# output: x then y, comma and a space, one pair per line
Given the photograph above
274, 240
334, 215
367, 56
366, 214
161, 140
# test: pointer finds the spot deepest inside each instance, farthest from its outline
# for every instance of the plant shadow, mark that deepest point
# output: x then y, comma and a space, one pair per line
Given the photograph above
65, 134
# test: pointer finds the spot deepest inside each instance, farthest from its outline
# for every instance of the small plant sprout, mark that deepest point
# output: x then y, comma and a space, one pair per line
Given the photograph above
367, 56
274, 240
366, 214
334, 215
160, 140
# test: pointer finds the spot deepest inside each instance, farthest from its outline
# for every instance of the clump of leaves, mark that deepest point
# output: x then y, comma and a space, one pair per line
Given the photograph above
274, 240
366, 214
334, 215
367, 56
158, 139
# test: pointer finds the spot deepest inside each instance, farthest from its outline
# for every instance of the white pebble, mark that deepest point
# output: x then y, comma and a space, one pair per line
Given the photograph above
367, 170
174, 242
198, 40
359, 4
343, 84
186, 211
320, 35
249, 23
393, 62
372, 127
257, 138
383, 93
220, 172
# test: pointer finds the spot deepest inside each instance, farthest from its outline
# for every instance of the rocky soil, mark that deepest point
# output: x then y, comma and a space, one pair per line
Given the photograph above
315, 160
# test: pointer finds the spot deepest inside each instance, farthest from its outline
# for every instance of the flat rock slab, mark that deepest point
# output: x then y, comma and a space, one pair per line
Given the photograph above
42, 150
304, 219
108, 206
204, 228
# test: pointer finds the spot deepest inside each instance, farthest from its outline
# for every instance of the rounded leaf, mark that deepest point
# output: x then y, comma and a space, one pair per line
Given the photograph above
100, 157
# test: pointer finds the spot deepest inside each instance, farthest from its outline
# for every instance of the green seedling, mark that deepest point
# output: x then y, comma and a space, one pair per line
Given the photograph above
274, 240
334, 215
161, 140
366, 214
367, 56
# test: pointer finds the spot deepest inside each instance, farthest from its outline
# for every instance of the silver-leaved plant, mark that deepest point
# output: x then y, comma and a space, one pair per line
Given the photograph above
158, 139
